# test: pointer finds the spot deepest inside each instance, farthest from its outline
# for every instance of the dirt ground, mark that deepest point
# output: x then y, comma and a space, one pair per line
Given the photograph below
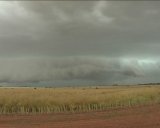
135, 117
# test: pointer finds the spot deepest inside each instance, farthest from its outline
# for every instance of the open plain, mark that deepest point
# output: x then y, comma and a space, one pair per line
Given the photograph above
88, 107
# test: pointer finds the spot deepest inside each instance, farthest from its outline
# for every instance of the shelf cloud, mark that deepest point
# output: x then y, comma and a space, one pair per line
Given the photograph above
85, 69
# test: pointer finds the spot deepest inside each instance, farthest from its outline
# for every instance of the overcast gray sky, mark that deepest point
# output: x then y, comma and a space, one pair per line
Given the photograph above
98, 42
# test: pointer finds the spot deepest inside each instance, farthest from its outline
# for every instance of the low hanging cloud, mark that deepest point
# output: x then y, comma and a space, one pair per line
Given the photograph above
85, 69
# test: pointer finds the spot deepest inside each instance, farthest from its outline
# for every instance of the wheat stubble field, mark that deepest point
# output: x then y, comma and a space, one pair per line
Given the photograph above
87, 107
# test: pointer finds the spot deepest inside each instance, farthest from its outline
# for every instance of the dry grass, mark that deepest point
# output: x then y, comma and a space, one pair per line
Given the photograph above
48, 100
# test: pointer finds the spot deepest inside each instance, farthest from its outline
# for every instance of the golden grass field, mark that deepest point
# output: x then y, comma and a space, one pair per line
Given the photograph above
82, 99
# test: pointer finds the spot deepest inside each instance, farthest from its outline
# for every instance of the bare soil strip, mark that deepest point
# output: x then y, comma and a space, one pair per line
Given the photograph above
135, 117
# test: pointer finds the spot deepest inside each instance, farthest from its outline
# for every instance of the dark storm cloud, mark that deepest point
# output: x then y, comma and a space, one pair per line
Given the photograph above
70, 68
80, 28
125, 34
